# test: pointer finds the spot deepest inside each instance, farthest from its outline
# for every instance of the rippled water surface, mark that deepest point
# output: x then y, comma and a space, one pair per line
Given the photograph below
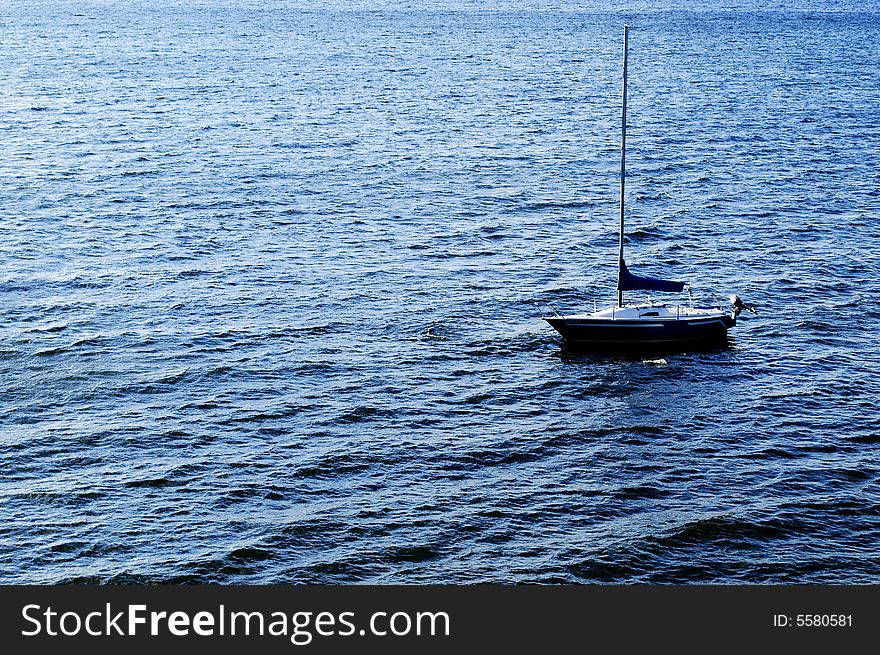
272, 280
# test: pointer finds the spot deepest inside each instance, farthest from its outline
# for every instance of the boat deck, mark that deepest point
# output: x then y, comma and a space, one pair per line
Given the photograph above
649, 312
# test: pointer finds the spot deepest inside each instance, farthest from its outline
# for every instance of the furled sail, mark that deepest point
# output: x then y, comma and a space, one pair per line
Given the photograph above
626, 281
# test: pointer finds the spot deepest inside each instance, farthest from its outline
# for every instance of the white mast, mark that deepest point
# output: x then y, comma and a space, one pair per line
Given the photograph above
622, 166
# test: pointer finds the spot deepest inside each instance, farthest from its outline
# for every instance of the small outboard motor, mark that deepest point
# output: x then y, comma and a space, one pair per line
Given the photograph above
739, 305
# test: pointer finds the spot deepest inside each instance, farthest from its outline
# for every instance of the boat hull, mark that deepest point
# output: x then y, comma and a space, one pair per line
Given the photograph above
586, 332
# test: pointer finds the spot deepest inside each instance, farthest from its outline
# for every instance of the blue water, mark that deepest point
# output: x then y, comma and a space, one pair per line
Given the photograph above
272, 279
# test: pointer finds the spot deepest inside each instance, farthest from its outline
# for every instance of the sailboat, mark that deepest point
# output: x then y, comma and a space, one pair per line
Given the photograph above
648, 324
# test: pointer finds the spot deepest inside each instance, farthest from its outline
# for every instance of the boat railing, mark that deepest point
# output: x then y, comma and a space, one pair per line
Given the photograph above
542, 307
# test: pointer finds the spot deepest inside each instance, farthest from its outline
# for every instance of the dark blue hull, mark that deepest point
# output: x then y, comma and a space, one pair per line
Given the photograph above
621, 334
